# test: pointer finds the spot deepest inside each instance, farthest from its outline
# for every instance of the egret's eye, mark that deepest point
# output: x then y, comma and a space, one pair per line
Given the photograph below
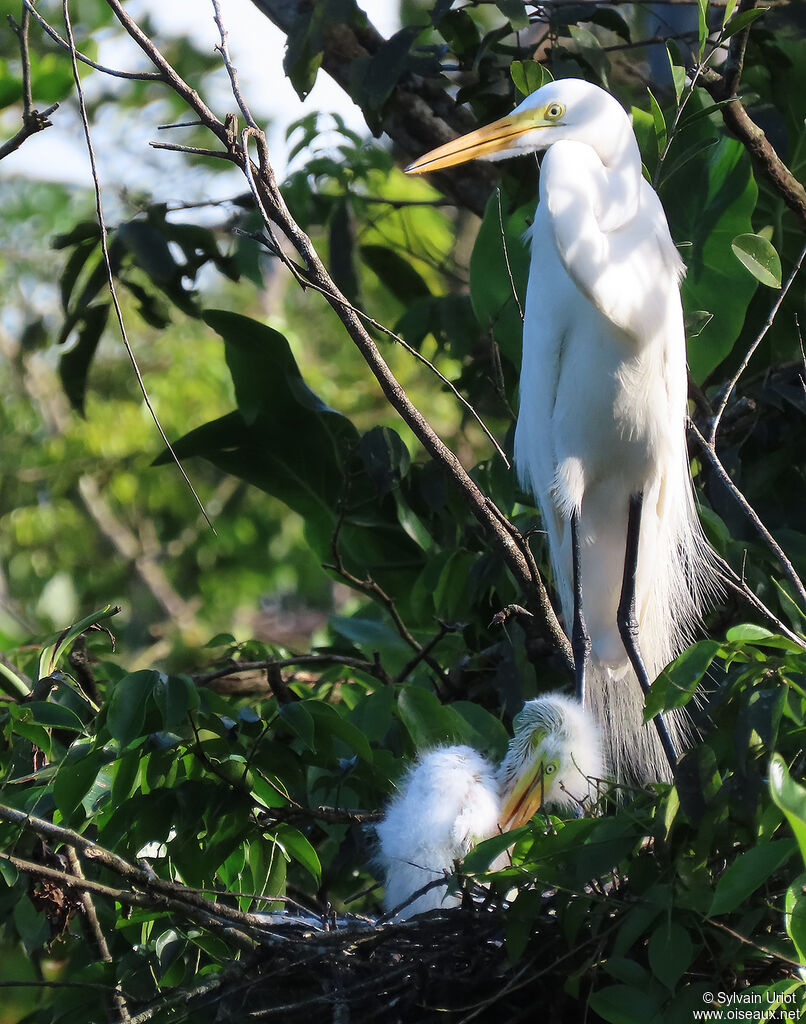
550, 768
554, 111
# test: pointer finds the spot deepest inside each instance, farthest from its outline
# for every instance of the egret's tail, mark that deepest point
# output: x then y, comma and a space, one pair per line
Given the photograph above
676, 581
632, 750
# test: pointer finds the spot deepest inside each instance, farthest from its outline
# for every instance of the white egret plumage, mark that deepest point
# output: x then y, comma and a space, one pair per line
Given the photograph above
452, 798
600, 438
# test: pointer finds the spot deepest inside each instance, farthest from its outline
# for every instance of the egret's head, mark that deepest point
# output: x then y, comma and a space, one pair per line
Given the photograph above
552, 758
566, 109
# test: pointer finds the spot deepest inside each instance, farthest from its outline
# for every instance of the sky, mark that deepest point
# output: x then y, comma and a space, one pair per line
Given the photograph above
256, 46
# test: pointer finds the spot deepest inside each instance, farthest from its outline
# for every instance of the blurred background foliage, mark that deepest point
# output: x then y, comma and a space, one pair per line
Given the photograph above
335, 538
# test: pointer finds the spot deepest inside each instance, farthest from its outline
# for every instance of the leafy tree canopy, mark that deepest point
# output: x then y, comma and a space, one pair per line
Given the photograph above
350, 441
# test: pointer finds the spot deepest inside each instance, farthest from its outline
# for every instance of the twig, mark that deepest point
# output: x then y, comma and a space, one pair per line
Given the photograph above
422, 654
138, 76
97, 932
729, 387
107, 262
223, 49
133, 898
180, 898
21, 31
32, 120
506, 252
330, 815
723, 476
373, 589
234, 667
737, 584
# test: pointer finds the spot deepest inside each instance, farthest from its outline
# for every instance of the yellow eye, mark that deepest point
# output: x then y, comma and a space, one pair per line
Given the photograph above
551, 768
554, 111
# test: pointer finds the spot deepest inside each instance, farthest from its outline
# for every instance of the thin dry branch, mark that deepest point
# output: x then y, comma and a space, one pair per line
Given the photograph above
33, 121
729, 387
148, 889
95, 929
137, 76
234, 667
713, 460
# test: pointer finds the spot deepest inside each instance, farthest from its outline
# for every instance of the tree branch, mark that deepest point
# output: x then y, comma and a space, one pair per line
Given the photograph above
32, 120
724, 86
418, 115
275, 213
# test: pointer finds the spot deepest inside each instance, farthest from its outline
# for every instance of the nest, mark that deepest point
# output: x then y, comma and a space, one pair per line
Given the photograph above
449, 966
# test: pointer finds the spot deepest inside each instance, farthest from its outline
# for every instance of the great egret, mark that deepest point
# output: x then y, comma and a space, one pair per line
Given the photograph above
453, 798
600, 438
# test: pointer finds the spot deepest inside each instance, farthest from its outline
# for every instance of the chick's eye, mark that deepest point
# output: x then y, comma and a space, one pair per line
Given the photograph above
555, 110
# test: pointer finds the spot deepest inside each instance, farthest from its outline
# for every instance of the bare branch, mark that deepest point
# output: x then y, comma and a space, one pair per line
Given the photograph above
97, 933
724, 86
32, 120
223, 49
723, 476
316, 660
728, 390
137, 76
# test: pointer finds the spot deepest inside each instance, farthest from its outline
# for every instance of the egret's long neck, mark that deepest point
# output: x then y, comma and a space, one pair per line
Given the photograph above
622, 161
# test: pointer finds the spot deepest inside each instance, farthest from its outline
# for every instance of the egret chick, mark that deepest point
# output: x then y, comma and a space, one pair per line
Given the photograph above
453, 798
601, 433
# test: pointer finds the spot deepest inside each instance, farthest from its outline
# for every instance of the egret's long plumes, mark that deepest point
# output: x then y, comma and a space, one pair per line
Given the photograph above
603, 396
452, 798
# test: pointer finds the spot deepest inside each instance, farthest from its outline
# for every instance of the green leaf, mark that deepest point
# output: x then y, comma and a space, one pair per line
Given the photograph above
377, 76
730, 7
396, 273
386, 458
480, 858
329, 721
678, 74
428, 722
298, 718
659, 121
702, 24
57, 645
759, 256
174, 697
126, 709
515, 11
795, 915
54, 716
670, 953
791, 798
678, 682
720, 196
528, 76
750, 870
73, 781
623, 1004
74, 365
299, 849
741, 21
